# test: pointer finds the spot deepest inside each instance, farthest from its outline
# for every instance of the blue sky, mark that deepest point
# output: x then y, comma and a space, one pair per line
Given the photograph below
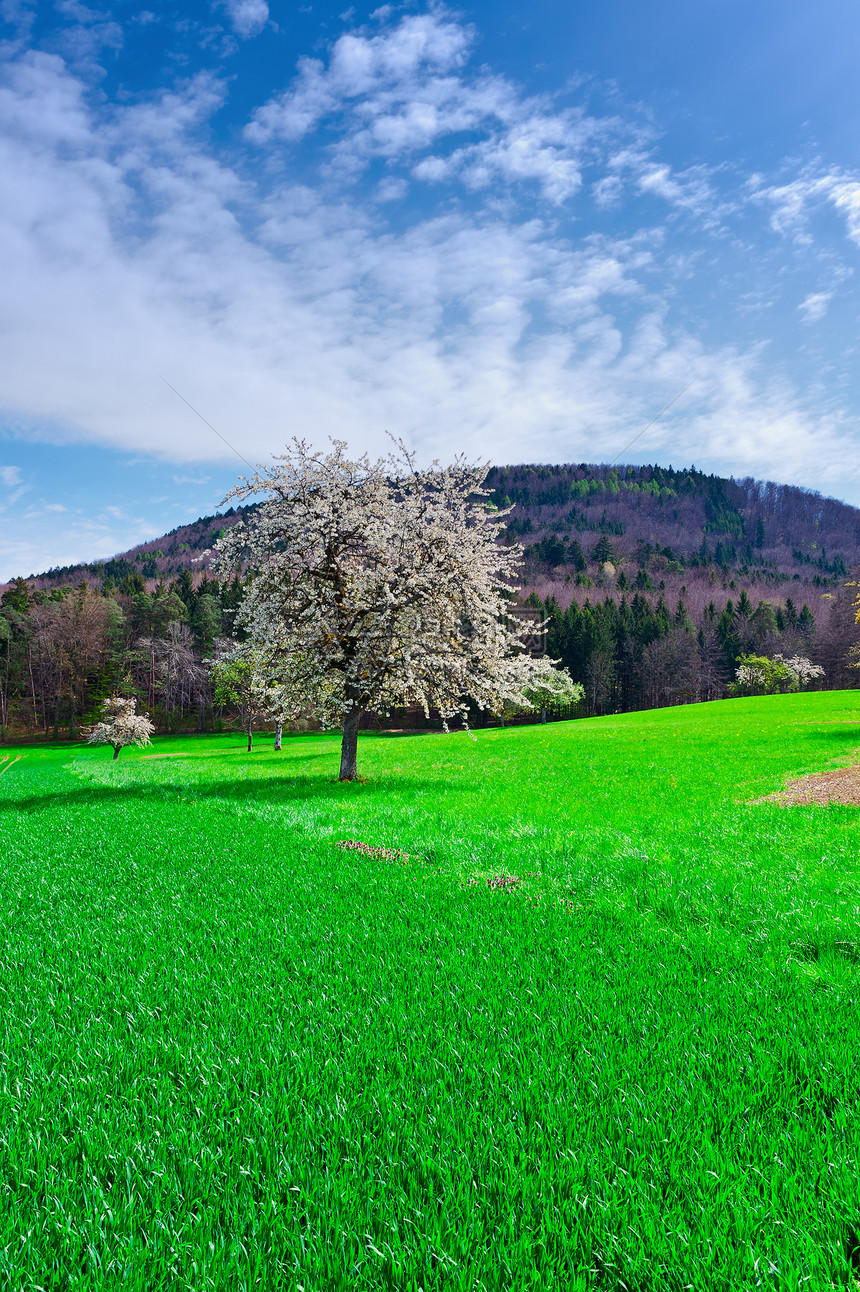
511, 230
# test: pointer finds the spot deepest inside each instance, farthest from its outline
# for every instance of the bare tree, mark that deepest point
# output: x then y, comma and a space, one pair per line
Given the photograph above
670, 669
713, 669
600, 679
180, 679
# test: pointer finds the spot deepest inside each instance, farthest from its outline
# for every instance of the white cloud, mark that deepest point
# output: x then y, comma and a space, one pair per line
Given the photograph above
11, 478
407, 95
690, 190
794, 203
131, 250
406, 90
29, 545
608, 190
89, 34
543, 148
815, 306
392, 189
363, 65
248, 17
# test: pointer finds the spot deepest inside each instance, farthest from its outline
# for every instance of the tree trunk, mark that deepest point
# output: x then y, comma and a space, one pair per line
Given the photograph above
349, 746
250, 737
32, 684
543, 713
5, 690
278, 730
115, 752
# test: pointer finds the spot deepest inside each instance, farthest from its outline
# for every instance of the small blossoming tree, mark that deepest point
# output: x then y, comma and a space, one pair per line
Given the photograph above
759, 675
374, 584
120, 726
555, 691
238, 680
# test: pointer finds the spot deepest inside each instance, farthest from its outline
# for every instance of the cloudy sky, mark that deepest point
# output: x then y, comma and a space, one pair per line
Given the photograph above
514, 229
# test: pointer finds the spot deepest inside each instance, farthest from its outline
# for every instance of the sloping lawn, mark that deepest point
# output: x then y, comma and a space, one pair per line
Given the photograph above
598, 1029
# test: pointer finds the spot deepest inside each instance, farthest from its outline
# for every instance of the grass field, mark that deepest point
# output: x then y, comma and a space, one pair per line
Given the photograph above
235, 1056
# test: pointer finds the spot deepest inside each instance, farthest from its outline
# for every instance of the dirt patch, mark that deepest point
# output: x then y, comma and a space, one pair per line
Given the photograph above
367, 850
839, 786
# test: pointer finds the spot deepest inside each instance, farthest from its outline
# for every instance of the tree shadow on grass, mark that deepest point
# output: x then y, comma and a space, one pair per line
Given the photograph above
838, 736
296, 789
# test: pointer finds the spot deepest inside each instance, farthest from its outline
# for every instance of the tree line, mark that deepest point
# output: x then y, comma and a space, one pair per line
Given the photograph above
636, 652
64, 651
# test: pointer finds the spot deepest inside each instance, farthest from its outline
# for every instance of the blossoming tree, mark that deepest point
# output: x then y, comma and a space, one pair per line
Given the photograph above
236, 681
376, 583
120, 726
759, 675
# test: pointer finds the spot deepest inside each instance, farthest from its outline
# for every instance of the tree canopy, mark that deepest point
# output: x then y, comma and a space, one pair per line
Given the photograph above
376, 583
120, 726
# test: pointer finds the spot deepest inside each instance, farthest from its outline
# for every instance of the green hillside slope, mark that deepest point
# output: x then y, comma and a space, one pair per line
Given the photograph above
677, 525
596, 1029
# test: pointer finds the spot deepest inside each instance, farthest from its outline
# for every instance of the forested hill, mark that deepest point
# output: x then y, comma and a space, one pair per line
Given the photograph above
649, 525
575, 519
655, 583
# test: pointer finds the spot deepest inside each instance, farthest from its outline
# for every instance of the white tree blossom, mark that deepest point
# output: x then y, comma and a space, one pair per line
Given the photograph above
375, 584
120, 726
759, 673
750, 676
802, 669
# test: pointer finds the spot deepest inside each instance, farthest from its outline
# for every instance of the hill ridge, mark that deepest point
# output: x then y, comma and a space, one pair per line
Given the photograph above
571, 520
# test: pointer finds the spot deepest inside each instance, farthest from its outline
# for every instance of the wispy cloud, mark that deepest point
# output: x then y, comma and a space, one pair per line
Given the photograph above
378, 76
31, 543
403, 94
496, 315
793, 204
815, 306
11, 478
248, 17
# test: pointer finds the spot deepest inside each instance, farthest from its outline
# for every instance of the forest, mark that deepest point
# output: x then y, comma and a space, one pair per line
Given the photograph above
62, 652
655, 582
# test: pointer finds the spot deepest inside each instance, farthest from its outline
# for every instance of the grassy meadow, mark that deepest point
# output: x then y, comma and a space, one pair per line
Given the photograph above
599, 1029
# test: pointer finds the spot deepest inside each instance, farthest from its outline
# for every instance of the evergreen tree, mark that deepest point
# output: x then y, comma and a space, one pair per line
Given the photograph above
17, 596
206, 622
603, 551
184, 589
576, 556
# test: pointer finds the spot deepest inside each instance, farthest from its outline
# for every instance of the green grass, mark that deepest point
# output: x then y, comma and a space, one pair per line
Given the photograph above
234, 1056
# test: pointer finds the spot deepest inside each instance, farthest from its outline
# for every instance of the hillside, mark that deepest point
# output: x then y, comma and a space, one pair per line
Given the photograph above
657, 580
655, 527
572, 1000
661, 527
654, 581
